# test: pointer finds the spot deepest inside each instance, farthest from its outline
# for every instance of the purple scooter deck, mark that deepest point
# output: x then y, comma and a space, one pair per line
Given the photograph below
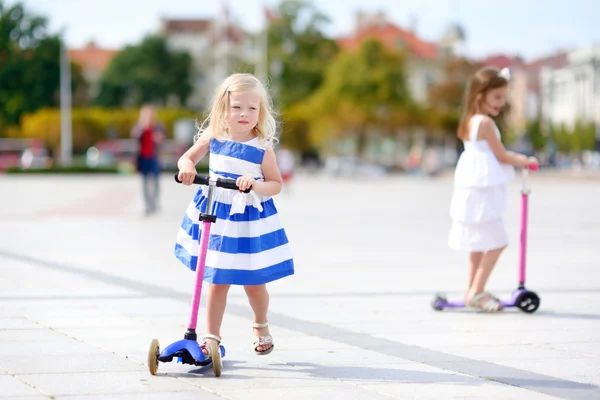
440, 303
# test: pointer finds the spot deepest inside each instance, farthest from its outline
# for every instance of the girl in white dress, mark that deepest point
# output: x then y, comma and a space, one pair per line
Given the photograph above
482, 173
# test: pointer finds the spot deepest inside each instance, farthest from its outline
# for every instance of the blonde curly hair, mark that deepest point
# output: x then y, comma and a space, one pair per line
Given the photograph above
214, 126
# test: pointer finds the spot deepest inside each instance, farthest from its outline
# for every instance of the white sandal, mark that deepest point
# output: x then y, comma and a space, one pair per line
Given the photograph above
491, 304
204, 345
262, 340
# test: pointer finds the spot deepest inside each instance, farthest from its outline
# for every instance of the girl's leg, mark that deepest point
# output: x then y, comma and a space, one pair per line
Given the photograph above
474, 263
258, 297
215, 308
147, 193
155, 192
488, 262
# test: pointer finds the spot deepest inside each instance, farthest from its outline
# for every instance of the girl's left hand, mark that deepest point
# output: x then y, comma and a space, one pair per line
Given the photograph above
245, 182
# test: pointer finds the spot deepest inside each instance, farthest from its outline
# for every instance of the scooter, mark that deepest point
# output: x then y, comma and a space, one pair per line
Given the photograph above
526, 300
188, 351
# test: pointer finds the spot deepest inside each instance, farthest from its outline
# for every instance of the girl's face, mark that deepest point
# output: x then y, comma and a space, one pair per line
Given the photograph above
242, 115
493, 101
147, 115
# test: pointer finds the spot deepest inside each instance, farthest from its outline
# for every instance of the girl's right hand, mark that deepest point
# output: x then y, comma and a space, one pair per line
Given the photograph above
187, 176
532, 161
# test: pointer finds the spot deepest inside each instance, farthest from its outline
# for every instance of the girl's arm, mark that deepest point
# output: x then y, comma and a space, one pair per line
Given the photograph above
487, 131
159, 133
272, 183
187, 162
136, 131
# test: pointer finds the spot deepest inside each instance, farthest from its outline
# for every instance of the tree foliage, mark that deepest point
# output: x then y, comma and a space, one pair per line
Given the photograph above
298, 51
29, 64
363, 92
146, 73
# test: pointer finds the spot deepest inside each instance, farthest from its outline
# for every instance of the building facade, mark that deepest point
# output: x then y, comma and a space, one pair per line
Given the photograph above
217, 48
571, 94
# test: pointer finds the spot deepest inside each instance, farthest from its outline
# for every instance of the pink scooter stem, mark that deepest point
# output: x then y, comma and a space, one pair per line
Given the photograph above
199, 274
523, 249
524, 214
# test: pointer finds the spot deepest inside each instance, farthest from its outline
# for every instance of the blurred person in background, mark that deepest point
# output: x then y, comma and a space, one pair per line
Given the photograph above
150, 134
286, 163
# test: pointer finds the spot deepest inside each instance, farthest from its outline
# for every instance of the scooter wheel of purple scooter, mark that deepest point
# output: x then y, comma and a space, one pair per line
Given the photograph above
528, 302
153, 354
438, 303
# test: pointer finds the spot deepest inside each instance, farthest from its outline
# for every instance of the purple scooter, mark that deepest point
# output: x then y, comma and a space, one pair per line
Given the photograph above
526, 300
188, 351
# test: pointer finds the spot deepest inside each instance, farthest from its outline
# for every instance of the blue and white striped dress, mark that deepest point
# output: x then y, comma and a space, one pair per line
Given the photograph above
247, 245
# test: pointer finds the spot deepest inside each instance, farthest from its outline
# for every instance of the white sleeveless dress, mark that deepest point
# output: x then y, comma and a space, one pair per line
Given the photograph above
479, 199
247, 244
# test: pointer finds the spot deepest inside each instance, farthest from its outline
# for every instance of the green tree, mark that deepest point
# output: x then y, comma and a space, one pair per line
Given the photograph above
562, 138
588, 139
582, 137
446, 97
148, 72
579, 138
298, 51
363, 92
29, 64
534, 134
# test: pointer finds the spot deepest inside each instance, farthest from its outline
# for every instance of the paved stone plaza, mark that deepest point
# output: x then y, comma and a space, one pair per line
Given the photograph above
86, 281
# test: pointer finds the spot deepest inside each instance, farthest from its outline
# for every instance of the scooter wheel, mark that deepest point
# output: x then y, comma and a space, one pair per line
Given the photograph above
528, 302
437, 303
215, 354
153, 354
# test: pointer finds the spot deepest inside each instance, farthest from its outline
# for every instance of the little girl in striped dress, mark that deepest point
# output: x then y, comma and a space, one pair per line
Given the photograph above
248, 245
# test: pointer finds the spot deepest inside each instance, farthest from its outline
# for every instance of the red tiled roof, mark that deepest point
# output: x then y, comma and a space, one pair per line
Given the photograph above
92, 56
235, 34
394, 37
557, 60
502, 61
271, 15
187, 25
201, 26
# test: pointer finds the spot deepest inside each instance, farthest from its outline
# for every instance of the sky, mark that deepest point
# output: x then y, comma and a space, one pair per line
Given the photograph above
528, 28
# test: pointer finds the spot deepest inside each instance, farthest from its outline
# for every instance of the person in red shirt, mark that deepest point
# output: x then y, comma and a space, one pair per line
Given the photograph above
150, 134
